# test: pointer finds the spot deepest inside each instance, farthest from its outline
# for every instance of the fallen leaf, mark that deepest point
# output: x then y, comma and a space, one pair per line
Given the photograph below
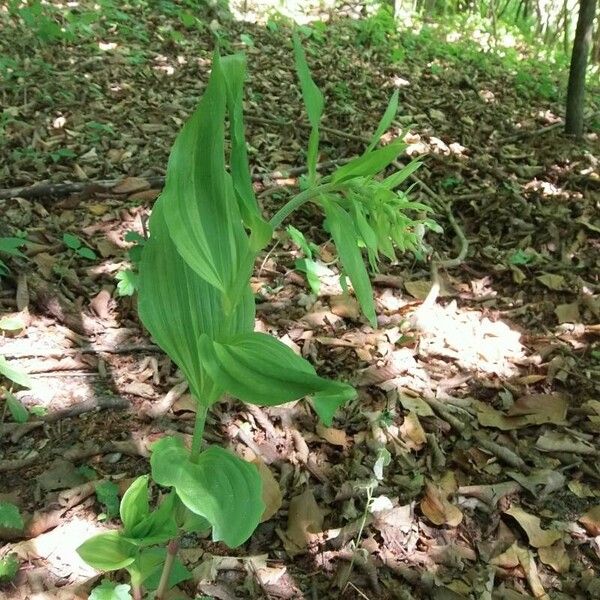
271, 493
129, 185
554, 441
418, 289
337, 437
568, 313
555, 556
509, 559
553, 282
344, 306
591, 520
436, 507
412, 431
416, 405
305, 518
537, 536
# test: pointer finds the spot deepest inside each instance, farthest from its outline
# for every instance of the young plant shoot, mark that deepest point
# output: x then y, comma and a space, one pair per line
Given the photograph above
206, 231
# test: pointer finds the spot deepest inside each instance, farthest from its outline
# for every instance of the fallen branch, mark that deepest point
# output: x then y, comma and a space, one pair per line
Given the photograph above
39, 190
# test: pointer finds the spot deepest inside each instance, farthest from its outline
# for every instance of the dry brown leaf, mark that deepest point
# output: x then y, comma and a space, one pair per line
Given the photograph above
336, 437
129, 185
271, 493
344, 306
591, 520
145, 195
555, 556
552, 282
537, 536
412, 432
533, 409
568, 313
418, 289
509, 559
436, 507
528, 564
98, 209
554, 441
416, 405
305, 518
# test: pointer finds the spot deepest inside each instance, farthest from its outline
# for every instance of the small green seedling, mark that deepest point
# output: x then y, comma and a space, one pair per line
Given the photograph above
10, 517
307, 265
107, 494
206, 231
10, 246
9, 565
74, 243
108, 590
128, 279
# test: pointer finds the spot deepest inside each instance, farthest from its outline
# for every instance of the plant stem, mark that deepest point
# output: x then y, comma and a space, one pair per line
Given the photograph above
297, 201
201, 411
136, 592
172, 548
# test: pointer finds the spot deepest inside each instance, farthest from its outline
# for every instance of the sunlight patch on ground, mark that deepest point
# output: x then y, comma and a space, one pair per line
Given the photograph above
57, 549
470, 339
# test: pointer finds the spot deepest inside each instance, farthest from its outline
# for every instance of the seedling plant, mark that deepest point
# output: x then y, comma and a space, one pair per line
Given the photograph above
206, 230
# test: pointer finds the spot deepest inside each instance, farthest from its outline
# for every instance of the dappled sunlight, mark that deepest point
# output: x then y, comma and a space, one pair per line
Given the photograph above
57, 550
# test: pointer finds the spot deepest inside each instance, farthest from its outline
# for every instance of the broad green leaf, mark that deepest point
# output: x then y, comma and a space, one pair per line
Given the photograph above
314, 103
148, 567
86, 252
15, 375
109, 590
177, 306
259, 369
17, 411
345, 237
191, 522
9, 565
71, 241
158, 527
11, 245
386, 121
134, 504
393, 181
10, 516
369, 164
312, 95
219, 486
234, 71
199, 202
107, 551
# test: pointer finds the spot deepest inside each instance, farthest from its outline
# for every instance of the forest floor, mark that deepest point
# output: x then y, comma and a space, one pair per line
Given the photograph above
486, 400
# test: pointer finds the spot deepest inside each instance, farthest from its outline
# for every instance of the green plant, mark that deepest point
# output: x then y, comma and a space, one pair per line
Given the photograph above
74, 243
10, 516
306, 265
128, 279
10, 246
206, 231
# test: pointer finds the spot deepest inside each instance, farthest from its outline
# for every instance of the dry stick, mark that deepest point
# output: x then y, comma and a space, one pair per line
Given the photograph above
50, 353
104, 185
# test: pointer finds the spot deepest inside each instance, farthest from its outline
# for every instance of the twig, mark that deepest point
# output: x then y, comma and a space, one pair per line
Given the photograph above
51, 353
104, 185
529, 133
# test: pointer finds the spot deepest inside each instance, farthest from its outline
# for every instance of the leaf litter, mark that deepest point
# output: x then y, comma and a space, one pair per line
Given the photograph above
467, 465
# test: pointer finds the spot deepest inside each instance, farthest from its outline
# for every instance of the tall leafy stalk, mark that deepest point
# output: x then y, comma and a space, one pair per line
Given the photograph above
206, 231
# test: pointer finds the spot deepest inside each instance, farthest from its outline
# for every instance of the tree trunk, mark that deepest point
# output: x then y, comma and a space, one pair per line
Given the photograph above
579, 59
